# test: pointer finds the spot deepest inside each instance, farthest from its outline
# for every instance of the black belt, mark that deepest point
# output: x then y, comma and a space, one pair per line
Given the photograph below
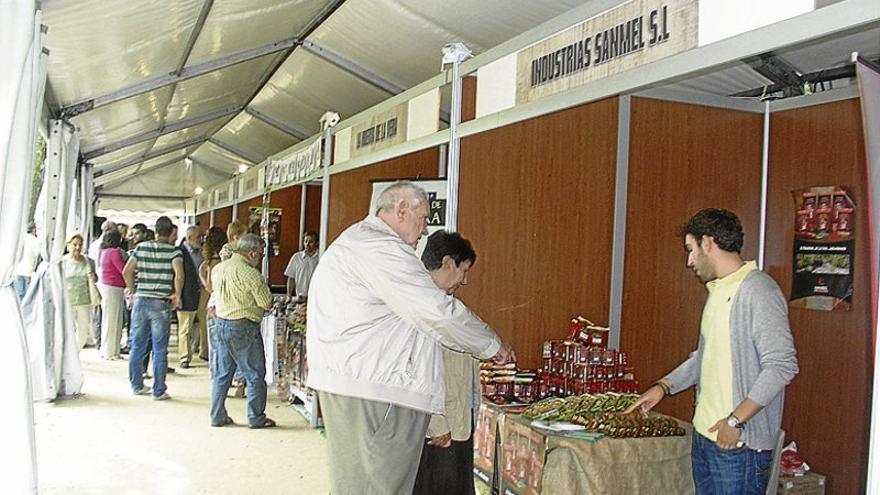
238, 320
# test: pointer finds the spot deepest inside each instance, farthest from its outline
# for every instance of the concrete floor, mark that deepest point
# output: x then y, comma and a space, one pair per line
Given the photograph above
109, 441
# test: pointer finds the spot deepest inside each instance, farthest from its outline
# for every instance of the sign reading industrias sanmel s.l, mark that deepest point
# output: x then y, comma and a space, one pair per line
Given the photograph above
620, 39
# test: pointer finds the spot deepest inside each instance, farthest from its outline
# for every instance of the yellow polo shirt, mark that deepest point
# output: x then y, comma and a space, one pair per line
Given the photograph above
240, 290
715, 398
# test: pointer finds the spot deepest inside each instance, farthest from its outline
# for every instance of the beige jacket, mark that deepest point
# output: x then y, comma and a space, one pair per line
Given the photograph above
462, 394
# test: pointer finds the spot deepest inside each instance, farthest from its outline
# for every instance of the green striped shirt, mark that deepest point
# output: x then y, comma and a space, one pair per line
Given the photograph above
155, 273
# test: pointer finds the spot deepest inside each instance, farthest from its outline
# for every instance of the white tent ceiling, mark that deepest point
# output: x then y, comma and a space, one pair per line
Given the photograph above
296, 59
231, 82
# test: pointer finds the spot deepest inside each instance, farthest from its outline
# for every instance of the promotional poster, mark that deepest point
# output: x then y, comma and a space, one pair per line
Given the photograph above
824, 249
274, 230
485, 441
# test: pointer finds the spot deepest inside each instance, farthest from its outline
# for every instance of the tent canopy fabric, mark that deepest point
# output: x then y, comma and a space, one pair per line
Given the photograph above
195, 88
265, 70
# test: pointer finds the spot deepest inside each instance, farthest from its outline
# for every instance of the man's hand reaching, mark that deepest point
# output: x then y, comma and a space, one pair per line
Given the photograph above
647, 400
504, 355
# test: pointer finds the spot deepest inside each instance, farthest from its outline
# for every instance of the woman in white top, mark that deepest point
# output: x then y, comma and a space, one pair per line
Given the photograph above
78, 274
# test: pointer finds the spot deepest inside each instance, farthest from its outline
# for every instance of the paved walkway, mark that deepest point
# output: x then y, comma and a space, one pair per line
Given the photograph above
109, 441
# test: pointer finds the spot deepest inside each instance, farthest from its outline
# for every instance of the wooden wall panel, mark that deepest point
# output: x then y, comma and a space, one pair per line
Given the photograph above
827, 409
350, 191
203, 221
683, 158
289, 200
313, 208
468, 98
222, 217
244, 209
536, 201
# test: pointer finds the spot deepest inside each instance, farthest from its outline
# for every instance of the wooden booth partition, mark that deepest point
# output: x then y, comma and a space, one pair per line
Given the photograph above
222, 217
350, 191
289, 200
204, 221
468, 98
313, 208
537, 202
244, 209
683, 158
827, 407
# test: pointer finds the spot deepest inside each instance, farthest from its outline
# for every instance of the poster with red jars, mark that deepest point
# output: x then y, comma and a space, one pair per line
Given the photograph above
523, 451
824, 248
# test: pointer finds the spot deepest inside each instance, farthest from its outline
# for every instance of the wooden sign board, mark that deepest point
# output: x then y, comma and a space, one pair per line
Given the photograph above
381, 131
628, 36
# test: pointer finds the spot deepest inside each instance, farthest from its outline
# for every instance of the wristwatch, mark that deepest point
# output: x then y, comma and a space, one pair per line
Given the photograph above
734, 422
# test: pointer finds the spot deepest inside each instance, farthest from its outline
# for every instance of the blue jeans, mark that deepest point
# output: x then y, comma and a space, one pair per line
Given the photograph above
740, 471
150, 324
21, 283
239, 345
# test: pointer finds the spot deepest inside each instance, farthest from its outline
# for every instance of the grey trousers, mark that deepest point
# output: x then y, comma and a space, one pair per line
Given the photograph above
374, 447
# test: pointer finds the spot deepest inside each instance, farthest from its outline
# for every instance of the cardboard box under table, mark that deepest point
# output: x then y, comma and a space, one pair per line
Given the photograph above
808, 484
606, 466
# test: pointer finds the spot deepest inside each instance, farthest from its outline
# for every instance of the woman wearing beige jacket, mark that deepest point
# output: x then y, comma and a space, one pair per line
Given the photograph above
447, 461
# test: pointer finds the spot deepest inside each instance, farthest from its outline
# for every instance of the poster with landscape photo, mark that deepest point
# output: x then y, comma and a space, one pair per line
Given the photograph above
824, 248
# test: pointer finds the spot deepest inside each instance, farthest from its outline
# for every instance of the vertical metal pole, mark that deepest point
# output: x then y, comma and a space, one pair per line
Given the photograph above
453, 154
48, 230
441, 167
325, 191
618, 246
264, 230
87, 183
765, 168
211, 218
302, 215
235, 198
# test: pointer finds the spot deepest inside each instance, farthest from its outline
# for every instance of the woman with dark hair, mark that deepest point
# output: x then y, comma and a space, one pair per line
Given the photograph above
112, 285
215, 239
78, 274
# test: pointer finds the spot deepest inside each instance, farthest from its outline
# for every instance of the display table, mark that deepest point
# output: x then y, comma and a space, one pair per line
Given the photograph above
531, 461
286, 368
618, 465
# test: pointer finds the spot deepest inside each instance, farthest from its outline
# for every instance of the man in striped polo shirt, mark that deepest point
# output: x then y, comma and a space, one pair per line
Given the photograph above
154, 276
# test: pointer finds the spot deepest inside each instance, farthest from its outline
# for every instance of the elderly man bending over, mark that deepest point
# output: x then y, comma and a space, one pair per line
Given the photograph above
377, 324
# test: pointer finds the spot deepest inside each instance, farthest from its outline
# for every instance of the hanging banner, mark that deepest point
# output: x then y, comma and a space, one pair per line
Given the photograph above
381, 131
824, 249
294, 167
630, 35
273, 234
436, 190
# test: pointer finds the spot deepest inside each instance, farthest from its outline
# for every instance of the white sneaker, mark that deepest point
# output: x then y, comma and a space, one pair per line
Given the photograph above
142, 391
164, 396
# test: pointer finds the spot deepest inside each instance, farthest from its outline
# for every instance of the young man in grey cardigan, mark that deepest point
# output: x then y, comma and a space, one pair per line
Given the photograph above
744, 360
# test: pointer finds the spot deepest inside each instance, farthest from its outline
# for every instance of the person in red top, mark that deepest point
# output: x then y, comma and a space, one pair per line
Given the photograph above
112, 285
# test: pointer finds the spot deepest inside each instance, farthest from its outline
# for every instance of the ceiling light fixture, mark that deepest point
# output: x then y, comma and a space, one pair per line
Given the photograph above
199, 190
243, 168
188, 162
